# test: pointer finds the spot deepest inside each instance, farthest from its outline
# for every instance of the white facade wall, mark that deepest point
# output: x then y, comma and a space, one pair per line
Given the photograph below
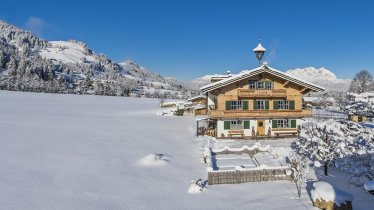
253, 125
210, 101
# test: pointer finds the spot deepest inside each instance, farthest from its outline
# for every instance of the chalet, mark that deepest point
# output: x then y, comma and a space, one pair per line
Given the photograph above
261, 102
199, 104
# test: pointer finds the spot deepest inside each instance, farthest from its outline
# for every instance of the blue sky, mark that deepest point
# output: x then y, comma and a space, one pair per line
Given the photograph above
188, 39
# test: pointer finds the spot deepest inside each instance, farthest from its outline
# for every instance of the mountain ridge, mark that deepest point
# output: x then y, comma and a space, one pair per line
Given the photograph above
29, 63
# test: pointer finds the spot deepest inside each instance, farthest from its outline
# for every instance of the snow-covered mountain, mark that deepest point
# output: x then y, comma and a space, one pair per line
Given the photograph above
206, 79
67, 52
29, 63
322, 77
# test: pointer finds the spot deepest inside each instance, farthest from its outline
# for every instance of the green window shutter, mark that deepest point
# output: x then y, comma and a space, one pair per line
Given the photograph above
246, 125
254, 104
215, 102
293, 123
275, 105
291, 105
274, 123
245, 105
266, 105
228, 105
226, 125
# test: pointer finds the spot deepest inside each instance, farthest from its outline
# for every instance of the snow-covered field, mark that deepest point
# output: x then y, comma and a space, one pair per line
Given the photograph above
95, 152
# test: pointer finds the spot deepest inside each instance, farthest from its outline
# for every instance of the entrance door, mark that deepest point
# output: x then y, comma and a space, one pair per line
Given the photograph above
261, 127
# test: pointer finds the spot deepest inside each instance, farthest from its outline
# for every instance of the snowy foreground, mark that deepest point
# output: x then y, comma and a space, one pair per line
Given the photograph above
94, 152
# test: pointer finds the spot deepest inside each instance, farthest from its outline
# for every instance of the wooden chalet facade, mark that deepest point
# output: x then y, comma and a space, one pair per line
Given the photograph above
262, 102
199, 104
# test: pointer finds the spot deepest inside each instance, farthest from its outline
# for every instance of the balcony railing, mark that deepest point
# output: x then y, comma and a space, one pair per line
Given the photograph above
260, 113
261, 93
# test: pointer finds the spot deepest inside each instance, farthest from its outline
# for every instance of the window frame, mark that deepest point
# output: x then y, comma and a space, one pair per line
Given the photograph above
283, 105
261, 105
261, 82
283, 123
252, 84
236, 105
236, 124
269, 85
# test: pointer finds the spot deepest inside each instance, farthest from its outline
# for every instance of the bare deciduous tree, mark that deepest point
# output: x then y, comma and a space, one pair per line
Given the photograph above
362, 82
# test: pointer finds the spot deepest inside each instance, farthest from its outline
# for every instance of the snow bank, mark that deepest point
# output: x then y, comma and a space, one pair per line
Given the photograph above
265, 159
325, 191
154, 160
257, 145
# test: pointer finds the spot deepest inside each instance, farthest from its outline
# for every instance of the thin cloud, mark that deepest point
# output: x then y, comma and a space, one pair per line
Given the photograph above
272, 55
36, 25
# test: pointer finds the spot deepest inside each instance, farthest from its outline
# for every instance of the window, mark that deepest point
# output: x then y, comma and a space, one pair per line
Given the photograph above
236, 125
252, 84
282, 104
269, 85
261, 85
283, 124
236, 105
260, 104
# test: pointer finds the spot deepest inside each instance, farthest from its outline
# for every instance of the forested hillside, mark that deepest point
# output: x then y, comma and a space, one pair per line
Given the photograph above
29, 63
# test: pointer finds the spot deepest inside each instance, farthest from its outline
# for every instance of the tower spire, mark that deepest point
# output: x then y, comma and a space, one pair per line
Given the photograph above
259, 51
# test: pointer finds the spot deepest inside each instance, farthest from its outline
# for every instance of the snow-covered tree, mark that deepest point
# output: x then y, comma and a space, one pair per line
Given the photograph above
347, 144
362, 82
318, 141
300, 169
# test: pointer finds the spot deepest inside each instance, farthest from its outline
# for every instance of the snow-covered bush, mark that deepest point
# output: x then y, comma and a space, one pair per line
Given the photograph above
347, 144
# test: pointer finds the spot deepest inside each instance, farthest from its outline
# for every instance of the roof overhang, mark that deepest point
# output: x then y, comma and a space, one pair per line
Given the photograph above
262, 69
196, 97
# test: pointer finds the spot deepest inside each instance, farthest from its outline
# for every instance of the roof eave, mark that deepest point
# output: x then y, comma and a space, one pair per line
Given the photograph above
264, 68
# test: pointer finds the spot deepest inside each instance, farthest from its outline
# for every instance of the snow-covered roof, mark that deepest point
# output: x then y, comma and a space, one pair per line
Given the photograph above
221, 75
200, 106
264, 68
196, 97
259, 48
311, 99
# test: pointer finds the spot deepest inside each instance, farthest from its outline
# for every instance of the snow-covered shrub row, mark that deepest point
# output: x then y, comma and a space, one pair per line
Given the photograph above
360, 103
346, 144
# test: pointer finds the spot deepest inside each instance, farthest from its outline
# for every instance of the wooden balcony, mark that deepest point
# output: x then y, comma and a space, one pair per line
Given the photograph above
216, 114
249, 93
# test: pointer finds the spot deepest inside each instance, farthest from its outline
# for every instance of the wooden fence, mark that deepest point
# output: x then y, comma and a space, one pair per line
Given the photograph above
325, 114
236, 177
